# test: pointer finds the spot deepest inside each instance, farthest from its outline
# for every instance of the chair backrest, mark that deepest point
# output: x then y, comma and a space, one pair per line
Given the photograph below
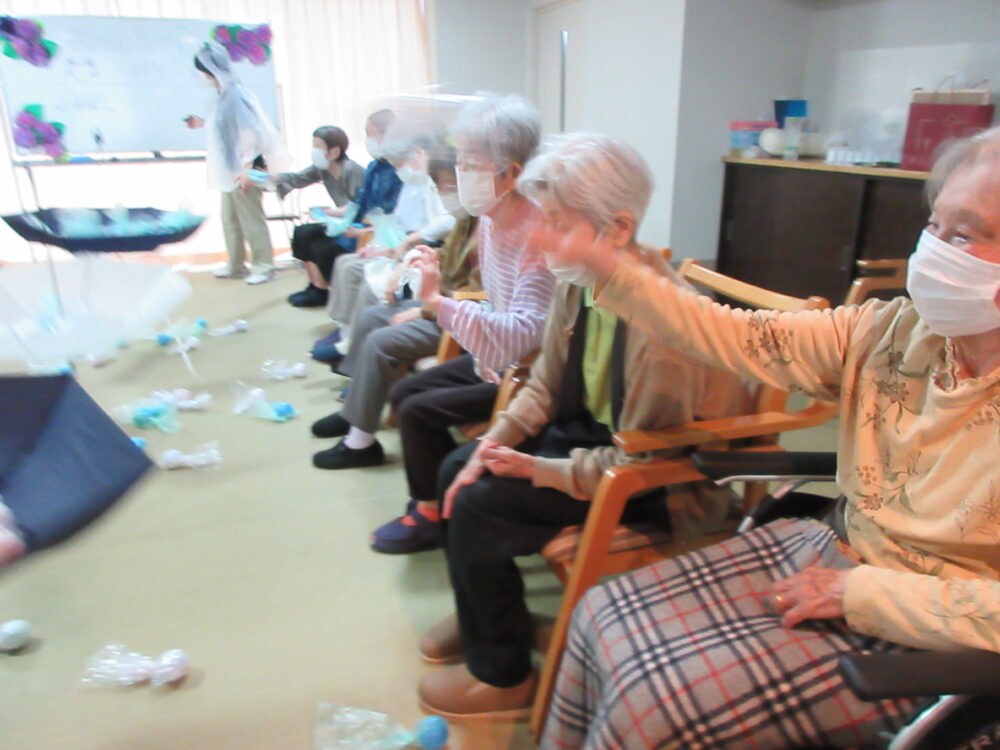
766, 398
863, 286
448, 348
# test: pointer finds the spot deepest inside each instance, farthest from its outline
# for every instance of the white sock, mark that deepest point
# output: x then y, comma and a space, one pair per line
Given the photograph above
343, 346
345, 331
358, 439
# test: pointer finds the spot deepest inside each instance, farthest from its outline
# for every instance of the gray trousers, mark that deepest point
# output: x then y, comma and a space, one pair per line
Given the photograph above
243, 220
376, 358
349, 294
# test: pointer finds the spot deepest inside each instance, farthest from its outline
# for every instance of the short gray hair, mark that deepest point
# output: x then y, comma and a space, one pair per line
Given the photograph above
507, 128
590, 173
957, 154
403, 137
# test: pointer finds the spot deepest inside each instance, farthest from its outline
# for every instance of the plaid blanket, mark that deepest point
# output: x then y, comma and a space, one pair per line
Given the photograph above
688, 654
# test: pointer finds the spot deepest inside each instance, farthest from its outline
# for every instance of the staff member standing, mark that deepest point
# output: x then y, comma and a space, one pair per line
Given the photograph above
240, 137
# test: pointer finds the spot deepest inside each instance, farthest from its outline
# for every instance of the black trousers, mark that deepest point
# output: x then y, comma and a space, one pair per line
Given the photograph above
492, 522
426, 405
309, 242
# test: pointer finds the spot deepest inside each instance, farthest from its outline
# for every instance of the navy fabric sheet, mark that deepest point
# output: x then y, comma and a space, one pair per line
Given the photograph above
63, 461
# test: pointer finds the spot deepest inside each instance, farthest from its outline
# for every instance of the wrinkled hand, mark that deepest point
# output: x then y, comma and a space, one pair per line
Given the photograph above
400, 250
429, 266
404, 316
470, 474
814, 593
244, 182
507, 462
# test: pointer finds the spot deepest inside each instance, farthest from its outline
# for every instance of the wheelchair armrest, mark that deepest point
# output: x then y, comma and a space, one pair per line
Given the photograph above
921, 673
719, 465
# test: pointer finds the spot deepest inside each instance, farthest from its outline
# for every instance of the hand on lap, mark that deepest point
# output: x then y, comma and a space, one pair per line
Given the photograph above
813, 593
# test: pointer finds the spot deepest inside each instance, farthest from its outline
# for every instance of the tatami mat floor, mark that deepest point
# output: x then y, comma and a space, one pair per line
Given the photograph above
260, 569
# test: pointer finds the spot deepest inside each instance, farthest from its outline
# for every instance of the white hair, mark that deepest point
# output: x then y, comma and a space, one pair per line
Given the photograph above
957, 154
507, 128
590, 173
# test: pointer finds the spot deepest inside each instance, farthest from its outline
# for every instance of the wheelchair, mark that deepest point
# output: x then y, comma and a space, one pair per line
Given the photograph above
962, 689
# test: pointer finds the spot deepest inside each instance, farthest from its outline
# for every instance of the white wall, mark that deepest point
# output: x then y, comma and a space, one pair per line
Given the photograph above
865, 56
480, 45
739, 55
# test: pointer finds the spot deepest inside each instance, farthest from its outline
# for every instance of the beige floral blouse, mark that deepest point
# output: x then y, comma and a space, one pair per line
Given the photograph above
918, 447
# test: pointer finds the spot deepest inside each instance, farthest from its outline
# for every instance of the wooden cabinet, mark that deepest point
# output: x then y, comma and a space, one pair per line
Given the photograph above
798, 227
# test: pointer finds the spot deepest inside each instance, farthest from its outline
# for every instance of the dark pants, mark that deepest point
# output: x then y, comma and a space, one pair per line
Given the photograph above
492, 522
426, 405
310, 243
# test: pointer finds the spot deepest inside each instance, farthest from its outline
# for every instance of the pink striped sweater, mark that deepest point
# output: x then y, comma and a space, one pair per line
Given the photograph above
518, 286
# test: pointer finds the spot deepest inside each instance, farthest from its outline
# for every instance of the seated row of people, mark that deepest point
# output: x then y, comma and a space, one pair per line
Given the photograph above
735, 645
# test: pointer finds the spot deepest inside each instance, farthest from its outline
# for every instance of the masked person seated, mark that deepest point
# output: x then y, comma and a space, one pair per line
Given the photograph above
375, 272
342, 179
740, 642
533, 472
389, 336
494, 137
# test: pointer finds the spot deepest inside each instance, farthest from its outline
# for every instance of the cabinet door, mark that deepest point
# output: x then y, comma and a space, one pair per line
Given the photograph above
895, 213
791, 230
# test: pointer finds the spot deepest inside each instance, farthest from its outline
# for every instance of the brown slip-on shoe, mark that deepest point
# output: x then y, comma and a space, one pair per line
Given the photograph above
442, 644
454, 693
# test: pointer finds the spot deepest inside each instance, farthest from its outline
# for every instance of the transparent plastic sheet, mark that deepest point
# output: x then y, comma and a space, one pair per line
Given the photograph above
182, 399
253, 401
205, 456
280, 369
336, 225
114, 665
388, 233
341, 727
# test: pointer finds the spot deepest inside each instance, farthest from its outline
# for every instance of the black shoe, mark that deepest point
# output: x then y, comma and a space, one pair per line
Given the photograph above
342, 457
331, 426
311, 296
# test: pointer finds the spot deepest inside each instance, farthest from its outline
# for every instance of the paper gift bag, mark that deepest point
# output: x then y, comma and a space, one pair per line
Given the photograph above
939, 116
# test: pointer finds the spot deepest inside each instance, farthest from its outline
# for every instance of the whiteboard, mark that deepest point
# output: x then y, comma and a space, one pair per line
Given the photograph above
130, 80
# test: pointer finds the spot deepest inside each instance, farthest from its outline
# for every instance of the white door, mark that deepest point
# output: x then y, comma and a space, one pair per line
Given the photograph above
550, 22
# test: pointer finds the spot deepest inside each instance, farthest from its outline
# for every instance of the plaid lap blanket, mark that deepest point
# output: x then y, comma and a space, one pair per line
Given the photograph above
688, 654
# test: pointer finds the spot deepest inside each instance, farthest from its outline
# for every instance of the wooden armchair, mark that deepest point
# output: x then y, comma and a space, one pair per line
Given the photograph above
864, 285
580, 556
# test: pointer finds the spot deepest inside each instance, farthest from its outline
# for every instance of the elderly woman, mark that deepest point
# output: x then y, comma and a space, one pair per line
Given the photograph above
532, 473
688, 653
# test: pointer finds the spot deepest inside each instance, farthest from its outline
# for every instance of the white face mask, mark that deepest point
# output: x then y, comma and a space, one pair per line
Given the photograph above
953, 291
373, 147
572, 273
476, 191
320, 159
410, 176
453, 205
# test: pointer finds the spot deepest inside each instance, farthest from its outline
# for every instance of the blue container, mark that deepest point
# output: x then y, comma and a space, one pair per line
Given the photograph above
789, 108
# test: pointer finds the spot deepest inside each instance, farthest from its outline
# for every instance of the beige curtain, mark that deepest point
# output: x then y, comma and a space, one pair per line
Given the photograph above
333, 61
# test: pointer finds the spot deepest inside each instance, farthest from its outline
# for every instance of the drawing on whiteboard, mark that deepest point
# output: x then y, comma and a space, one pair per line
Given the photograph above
23, 40
251, 43
33, 133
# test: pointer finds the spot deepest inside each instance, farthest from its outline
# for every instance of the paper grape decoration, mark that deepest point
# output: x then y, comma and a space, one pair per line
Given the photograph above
22, 40
251, 43
33, 133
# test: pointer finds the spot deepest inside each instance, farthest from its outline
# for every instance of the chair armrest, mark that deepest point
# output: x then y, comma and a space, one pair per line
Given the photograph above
719, 465
729, 428
475, 296
921, 673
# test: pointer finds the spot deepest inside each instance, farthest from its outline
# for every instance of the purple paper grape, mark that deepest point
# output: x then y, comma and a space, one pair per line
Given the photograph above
37, 54
55, 150
47, 131
257, 55
20, 46
222, 35
235, 52
7, 26
245, 38
27, 29
26, 120
24, 138
263, 34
